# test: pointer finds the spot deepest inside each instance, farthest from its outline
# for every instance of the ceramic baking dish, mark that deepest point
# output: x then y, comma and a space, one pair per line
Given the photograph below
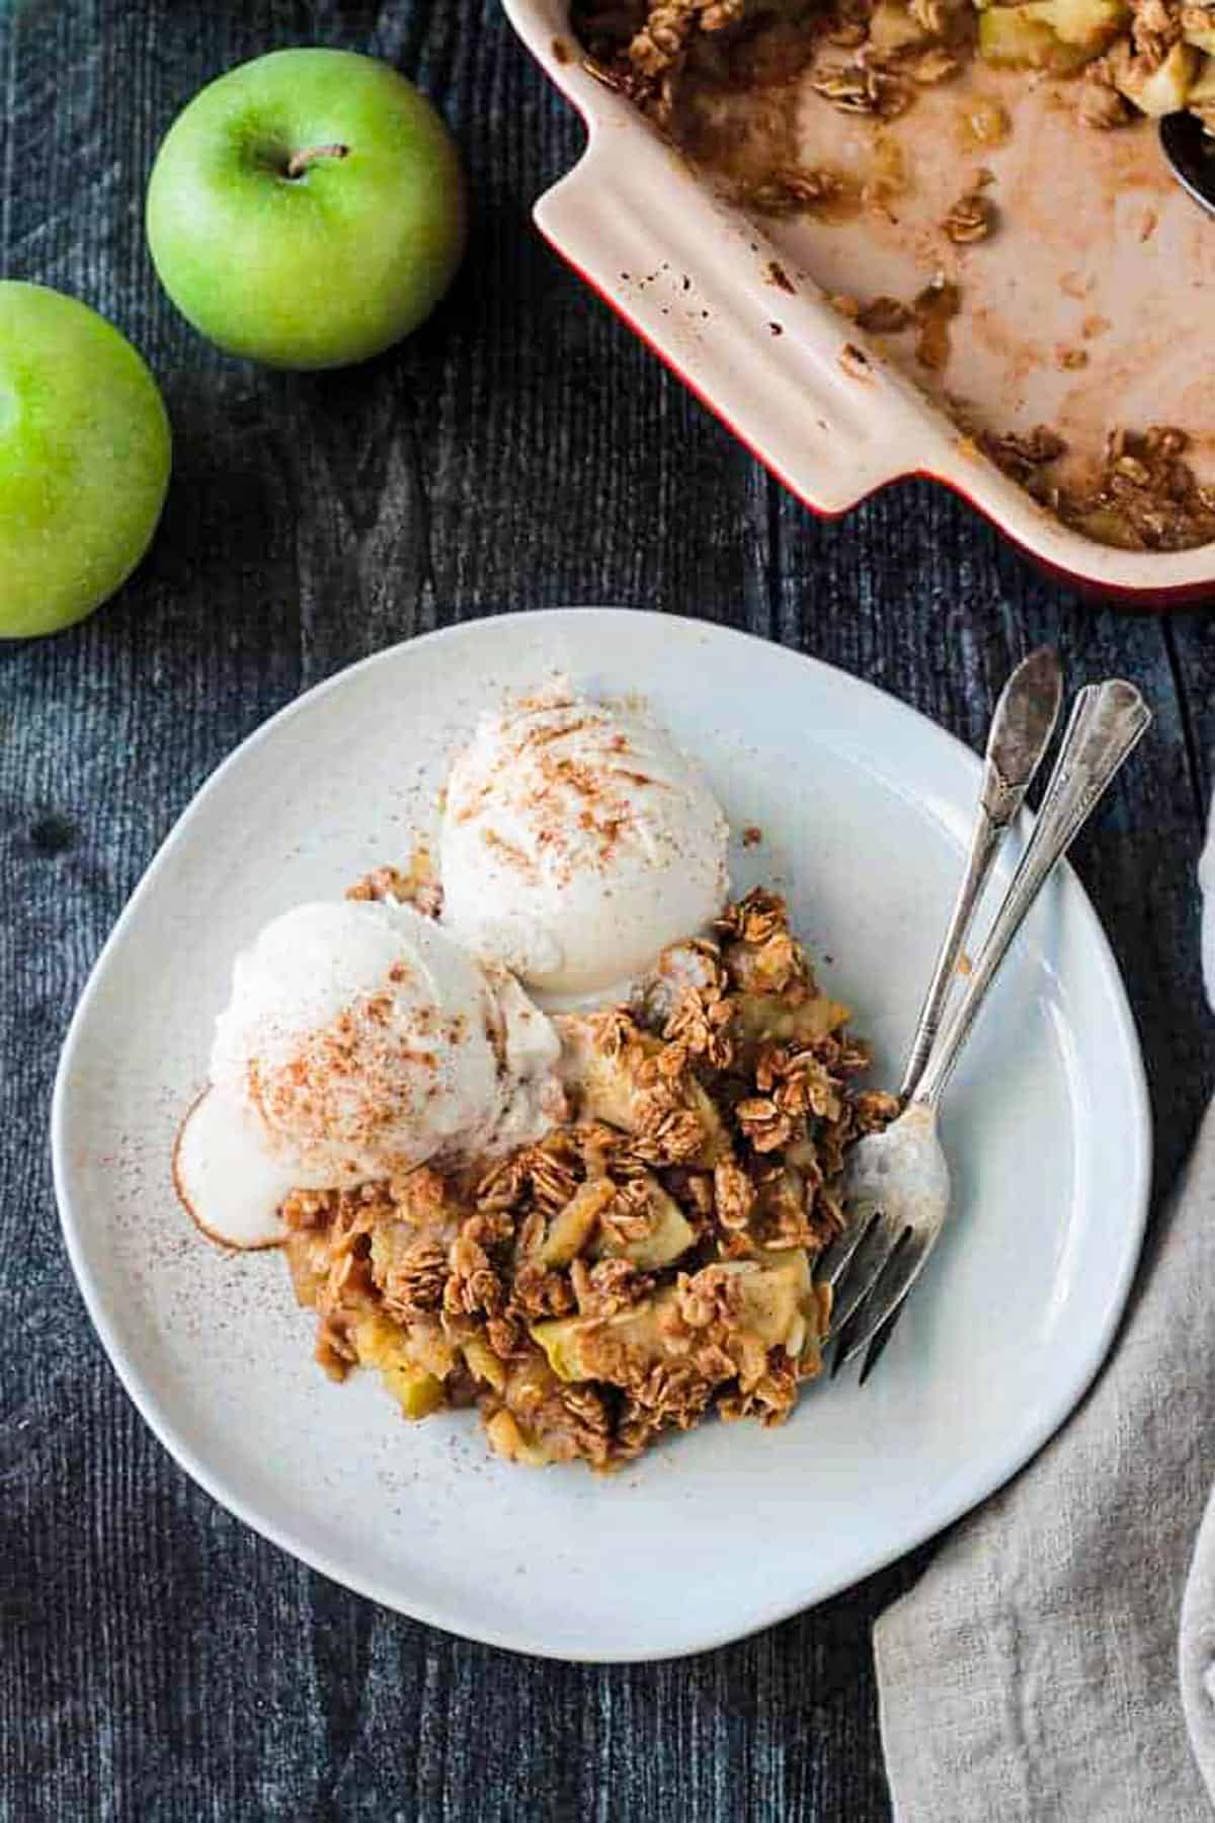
716, 297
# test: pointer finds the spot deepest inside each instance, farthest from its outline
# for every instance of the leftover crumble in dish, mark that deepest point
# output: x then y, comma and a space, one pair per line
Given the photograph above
870, 56
727, 81
1145, 496
645, 1264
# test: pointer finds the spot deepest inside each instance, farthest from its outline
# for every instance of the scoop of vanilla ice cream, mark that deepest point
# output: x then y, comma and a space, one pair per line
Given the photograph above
360, 1041
362, 1038
577, 843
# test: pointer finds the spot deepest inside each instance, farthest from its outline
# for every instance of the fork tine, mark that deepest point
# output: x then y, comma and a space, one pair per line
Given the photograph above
880, 1342
833, 1262
898, 1276
868, 1261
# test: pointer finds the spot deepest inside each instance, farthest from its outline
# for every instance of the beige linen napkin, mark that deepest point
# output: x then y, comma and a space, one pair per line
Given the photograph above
1031, 1675
1198, 1608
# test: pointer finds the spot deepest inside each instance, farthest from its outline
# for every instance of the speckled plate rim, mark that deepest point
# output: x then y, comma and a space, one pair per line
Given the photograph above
954, 1497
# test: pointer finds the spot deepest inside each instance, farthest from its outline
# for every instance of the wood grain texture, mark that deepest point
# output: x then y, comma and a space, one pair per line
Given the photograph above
158, 1660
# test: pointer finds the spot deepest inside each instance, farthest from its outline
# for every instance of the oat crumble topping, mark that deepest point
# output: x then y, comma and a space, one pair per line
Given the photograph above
971, 218
642, 1266
934, 310
417, 885
1144, 495
884, 316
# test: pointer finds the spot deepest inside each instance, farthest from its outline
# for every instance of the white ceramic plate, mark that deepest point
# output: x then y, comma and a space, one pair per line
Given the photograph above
864, 808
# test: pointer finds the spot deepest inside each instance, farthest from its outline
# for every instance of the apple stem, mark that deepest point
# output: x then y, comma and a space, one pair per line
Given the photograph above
298, 163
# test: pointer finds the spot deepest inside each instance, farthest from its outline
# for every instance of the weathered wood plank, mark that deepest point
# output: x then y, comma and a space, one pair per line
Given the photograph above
159, 1660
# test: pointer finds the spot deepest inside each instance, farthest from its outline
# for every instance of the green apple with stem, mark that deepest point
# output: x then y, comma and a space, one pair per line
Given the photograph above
307, 209
85, 452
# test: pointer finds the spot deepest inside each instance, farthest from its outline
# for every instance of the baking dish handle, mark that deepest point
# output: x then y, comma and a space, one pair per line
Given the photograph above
750, 335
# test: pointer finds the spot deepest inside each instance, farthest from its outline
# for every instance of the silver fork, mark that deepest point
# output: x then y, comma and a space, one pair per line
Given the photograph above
896, 1185
1021, 726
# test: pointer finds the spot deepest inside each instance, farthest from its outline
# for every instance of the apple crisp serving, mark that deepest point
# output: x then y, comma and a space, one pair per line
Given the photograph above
646, 1263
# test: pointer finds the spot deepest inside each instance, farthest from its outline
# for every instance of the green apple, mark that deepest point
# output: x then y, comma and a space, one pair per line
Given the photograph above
85, 452
307, 209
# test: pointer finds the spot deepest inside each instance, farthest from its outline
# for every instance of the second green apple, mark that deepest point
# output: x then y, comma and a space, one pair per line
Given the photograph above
307, 209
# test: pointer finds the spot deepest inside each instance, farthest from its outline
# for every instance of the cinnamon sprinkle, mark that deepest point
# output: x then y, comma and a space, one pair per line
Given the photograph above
647, 1263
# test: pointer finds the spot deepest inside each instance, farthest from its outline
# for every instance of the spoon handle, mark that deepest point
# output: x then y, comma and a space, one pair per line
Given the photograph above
1021, 728
1107, 721
1187, 146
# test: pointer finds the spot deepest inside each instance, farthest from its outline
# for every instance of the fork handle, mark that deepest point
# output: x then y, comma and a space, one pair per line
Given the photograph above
1107, 721
1021, 727
984, 843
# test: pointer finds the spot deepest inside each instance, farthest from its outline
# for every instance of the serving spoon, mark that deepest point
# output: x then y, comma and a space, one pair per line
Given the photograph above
1190, 151
1021, 729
